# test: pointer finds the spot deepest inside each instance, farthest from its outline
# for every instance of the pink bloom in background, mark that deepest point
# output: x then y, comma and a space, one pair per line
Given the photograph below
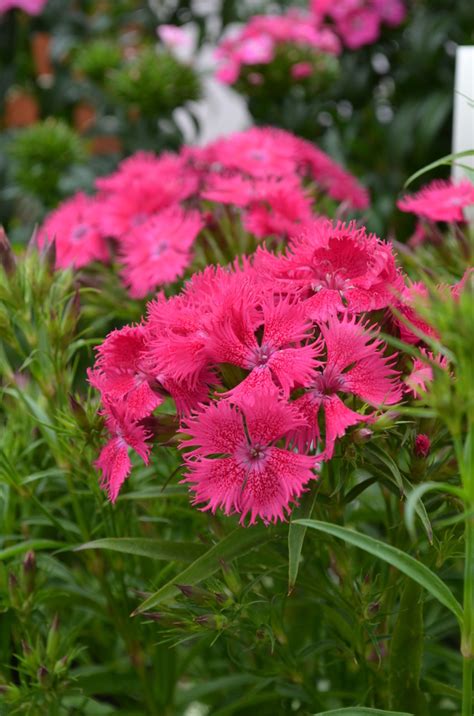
173, 36
258, 40
358, 22
358, 27
335, 268
391, 12
32, 7
158, 251
440, 201
406, 316
253, 476
355, 365
301, 70
421, 376
422, 445
75, 229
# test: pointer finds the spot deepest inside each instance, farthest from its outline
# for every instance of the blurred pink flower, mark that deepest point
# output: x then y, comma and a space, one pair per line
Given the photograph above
32, 7
173, 36
301, 70
440, 200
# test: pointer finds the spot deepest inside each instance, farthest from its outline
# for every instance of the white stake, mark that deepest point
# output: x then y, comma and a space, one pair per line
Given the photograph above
463, 119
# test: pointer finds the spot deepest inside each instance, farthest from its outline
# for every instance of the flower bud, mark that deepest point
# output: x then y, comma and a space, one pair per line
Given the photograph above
42, 675
7, 258
422, 445
29, 572
212, 621
53, 639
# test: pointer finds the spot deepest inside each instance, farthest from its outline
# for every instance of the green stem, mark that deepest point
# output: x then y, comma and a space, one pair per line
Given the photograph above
467, 640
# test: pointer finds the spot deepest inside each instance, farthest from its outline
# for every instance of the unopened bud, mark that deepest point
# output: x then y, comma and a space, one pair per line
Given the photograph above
422, 445
13, 590
231, 577
197, 595
42, 675
212, 621
29, 571
7, 258
53, 639
362, 435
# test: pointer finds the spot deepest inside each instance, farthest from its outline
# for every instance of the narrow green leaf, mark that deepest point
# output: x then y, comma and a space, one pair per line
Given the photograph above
407, 564
296, 534
153, 493
362, 711
448, 159
236, 544
34, 544
143, 547
417, 493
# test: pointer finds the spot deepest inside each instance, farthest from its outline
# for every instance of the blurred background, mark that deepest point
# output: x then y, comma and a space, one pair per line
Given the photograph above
84, 83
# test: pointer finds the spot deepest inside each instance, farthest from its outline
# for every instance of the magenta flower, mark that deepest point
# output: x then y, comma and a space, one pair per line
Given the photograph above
440, 201
120, 372
334, 268
355, 365
75, 229
236, 464
422, 445
159, 251
421, 375
358, 27
283, 357
114, 460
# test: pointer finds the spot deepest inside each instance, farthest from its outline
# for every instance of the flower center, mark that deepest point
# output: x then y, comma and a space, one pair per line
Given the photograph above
328, 383
252, 456
260, 356
79, 231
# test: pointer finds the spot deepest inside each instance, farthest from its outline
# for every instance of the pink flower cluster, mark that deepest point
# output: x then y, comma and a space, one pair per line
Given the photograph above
148, 214
359, 22
258, 41
268, 363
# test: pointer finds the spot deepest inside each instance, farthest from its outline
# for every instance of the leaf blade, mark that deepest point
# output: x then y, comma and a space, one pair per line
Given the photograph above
147, 547
236, 544
407, 564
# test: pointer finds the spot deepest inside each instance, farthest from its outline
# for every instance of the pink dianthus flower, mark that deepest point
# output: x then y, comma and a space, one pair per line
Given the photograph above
440, 201
252, 475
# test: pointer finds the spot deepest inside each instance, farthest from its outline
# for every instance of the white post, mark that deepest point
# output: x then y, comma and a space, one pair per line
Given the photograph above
463, 119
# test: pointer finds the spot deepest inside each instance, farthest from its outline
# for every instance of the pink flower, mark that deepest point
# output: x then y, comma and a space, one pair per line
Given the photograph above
300, 70
422, 445
255, 50
407, 317
334, 267
114, 461
440, 201
355, 365
173, 36
120, 372
251, 475
391, 12
75, 228
32, 7
359, 27
158, 251
282, 358
274, 207
418, 381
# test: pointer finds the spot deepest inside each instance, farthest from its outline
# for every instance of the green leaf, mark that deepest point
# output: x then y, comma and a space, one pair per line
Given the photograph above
153, 548
413, 501
236, 544
448, 159
34, 544
296, 534
395, 557
362, 711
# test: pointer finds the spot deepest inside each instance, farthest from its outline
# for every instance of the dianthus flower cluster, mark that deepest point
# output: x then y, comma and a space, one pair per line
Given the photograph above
358, 22
265, 37
268, 363
147, 215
